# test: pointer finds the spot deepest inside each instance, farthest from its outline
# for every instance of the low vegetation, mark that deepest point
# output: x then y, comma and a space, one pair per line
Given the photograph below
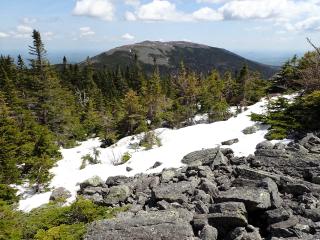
288, 118
52, 221
125, 158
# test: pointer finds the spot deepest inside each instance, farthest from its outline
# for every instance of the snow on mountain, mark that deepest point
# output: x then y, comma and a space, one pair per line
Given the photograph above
175, 144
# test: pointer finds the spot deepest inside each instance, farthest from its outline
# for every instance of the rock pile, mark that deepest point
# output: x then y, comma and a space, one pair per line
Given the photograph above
271, 195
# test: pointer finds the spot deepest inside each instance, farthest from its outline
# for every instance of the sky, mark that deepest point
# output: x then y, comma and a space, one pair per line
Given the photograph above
92, 26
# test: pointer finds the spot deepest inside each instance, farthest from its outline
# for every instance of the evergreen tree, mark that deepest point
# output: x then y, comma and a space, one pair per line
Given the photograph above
186, 88
37, 50
231, 88
212, 97
20, 63
156, 102
133, 119
9, 142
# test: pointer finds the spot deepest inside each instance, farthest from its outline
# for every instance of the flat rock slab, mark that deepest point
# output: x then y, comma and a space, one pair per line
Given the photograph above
205, 157
158, 225
253, 198
228, 215
173, 192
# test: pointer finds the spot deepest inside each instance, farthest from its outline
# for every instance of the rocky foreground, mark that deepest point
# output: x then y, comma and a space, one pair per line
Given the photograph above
274, 194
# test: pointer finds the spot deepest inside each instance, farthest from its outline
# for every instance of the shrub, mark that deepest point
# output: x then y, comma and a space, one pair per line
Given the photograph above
286, 118
54, 222
89, 159
9, 223
149, 140
62, 232
8, 194
125, 158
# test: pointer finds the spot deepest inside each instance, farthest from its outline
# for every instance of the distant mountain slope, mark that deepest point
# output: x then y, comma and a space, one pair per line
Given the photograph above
168, 55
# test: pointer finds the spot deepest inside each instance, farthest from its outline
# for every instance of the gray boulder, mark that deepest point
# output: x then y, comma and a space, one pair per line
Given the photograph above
95, 181
313, 214
242, 233
230, 142
209, 188
155, 165
60, 194
173, 192
228, 215
157, 225
255, 174
311, 142
167, 175
209, 233
250, 130
219, 160
277, 215
117, 194
117, 180
264, 145
253, 198
95, 198
202, 157
284, 229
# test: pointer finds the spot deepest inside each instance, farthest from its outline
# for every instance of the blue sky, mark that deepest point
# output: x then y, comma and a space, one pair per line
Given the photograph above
98, 25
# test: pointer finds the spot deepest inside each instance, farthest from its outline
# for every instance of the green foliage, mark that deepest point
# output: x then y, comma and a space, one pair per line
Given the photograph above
285, 118
89, 159
185, 96
9, 223
125, 158
58, 222
7, 194
212, 98
134, 114
62, 232
149, 140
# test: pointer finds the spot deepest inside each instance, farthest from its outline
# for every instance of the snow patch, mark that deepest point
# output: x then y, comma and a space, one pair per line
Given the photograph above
175, 145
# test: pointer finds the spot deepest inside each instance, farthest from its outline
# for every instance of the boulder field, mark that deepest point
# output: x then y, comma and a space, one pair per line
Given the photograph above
273, 194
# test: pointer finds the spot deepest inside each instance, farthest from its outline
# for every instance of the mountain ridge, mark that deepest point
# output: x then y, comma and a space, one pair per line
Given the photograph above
169, 55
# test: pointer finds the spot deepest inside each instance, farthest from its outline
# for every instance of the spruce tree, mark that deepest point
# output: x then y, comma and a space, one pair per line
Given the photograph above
134, 114
186, 94
9, 142
39, 53
212, 97
155, 101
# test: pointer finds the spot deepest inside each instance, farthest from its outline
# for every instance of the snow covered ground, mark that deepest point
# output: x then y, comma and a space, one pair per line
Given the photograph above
175, 145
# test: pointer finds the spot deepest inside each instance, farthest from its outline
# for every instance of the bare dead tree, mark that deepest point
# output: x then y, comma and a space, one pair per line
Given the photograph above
314, 46
83, 99
310, 74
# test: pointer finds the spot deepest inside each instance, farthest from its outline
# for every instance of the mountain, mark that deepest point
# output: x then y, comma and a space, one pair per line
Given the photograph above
168, 55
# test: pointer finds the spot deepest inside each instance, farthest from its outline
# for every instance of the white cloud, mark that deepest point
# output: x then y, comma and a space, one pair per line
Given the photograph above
127, 36
103, 9
28, 21
48, 35
212, 1
129, 16
24, 29
309, 24
134, 3
4, 35
160, 10
293, 15
86, 31
207, 13
251, 9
